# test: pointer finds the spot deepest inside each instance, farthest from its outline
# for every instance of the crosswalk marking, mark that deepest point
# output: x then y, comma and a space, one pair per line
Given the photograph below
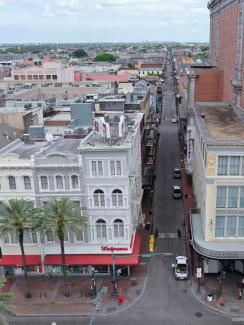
170, 235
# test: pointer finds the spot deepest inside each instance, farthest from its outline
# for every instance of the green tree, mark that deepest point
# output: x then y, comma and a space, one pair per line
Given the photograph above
61, 217
15, 218
105, 57
6, 306
80, 53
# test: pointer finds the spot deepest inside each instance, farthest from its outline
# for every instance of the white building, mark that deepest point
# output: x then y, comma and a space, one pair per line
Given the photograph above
101, 174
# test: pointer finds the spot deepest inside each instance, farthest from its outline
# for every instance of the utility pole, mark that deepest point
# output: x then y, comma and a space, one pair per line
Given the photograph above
114, 277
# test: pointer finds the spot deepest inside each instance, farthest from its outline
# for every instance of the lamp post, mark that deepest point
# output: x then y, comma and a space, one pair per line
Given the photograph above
114, 277
94, 282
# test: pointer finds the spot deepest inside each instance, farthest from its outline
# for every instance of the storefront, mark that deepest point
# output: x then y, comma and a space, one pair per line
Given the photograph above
84, 263
13, 265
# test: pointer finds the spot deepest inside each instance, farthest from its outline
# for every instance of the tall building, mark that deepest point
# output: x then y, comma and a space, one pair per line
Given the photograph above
100, 174
226, 46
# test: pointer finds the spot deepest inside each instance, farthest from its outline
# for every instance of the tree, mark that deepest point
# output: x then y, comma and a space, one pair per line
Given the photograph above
15, 219
6, 306
61, 217
105, 57
80, 53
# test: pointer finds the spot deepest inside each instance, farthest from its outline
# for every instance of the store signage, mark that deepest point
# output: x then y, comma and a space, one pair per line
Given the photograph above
113, 249
199, 272
189, 141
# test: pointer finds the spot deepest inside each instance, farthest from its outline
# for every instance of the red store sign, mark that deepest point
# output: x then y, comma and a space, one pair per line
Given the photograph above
113, 249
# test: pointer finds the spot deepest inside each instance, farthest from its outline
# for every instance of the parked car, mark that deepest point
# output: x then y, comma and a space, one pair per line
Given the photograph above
177, 173
174, 120
177, 192
181, 268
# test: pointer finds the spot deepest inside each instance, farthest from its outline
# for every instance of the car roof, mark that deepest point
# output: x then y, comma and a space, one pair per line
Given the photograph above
176, 187
176, 169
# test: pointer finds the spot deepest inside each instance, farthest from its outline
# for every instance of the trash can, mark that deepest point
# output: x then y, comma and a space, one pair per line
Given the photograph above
209, 297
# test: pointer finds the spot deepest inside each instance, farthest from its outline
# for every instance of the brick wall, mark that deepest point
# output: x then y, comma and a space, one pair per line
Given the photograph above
209, 85
223, 38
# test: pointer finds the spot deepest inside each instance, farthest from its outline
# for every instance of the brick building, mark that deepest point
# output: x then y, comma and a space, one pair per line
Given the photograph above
226, 46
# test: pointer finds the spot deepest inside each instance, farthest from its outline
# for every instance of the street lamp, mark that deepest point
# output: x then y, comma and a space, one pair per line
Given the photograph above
114, 277
94, 288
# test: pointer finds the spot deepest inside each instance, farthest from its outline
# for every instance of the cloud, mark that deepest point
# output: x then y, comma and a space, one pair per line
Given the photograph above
199, 10
47, 11
3, 2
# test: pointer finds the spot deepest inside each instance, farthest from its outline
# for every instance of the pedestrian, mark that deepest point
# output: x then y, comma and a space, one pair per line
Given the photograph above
179, 233
156, 233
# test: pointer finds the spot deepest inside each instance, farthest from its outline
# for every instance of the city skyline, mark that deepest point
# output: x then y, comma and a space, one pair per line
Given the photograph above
26, 21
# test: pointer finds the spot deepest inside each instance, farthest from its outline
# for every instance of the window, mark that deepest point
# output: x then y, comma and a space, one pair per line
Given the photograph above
222, 165
118, 228
117, 198
101, 229
234, 166
115, 167
75, 182
50, 236
99, 198
241, 226
59, 182
97, 168
231, 226
76, 205
27, 183
241, 197
220, 226
232, 197
12, 183
221, 197
34, 237
79, 236
44, 183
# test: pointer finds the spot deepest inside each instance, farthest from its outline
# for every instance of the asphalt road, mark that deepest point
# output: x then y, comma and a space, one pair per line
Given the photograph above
166, 301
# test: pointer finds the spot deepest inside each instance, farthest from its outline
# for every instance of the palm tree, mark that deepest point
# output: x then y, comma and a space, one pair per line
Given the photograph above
6, 307
15, 218
61, 217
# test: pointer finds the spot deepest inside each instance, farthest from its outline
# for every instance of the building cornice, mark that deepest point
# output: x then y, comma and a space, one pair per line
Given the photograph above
216, 5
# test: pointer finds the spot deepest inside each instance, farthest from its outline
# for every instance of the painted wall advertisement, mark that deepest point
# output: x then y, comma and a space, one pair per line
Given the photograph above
190, 147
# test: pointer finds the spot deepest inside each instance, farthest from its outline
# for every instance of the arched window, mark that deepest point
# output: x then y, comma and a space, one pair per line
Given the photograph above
101, 229
99, 198
27, 183
118, 228
59, 182
117, 198
12, 183
44, 183
75, 182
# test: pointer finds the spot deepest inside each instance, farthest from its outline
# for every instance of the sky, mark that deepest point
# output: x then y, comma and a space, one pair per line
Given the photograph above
44, 21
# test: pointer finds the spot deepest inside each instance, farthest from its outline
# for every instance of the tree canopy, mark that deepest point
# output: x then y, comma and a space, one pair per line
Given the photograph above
80, 53
105, 57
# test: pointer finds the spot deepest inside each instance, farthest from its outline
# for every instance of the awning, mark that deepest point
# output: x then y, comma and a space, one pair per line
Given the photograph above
16, 260
132, 259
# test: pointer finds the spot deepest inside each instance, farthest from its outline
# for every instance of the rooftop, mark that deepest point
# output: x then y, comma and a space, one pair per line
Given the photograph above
219, 123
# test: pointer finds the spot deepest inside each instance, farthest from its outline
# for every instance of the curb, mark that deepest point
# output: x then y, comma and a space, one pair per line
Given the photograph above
101, 314
213, 309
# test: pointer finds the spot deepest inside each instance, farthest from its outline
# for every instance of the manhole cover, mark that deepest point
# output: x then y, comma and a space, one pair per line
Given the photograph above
138, 292
184, 290
111, 309
234, 310
198, 315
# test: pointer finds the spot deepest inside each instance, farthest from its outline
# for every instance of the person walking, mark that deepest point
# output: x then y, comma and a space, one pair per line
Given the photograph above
179, 233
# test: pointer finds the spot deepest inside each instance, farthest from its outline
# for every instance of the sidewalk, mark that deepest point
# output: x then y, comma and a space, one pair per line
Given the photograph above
47, 294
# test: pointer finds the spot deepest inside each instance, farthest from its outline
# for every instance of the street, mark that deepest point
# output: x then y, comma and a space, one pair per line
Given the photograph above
165, 301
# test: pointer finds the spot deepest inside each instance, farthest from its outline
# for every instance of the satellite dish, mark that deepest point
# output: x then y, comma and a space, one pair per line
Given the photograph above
49, 137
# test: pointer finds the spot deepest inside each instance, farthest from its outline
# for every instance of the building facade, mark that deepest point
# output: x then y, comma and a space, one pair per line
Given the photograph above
101, 175
226, 46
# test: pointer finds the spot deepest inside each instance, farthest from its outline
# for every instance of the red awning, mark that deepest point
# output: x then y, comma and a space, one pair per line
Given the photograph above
16, 260
99, 259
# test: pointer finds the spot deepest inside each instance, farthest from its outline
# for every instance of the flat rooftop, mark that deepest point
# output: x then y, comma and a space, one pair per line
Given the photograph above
220, 123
